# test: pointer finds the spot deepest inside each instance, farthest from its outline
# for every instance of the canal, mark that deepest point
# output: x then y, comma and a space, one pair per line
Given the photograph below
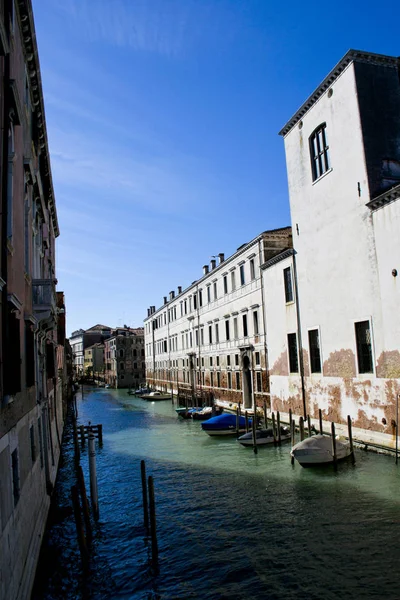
231, 524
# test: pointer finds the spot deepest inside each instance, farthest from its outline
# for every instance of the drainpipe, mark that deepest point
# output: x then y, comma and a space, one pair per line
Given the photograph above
4, 206
268, 390
198, 337
154, 350
299, 338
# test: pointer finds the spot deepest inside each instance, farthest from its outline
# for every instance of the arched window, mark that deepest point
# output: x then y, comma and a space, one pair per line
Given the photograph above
319, 151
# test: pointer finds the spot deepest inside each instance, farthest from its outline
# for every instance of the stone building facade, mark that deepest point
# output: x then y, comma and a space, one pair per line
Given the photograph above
32, 334
82, 339
124, 358
334, 338
211, 337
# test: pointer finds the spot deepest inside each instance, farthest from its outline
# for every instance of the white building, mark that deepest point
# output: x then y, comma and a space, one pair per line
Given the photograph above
211, 337
337, 297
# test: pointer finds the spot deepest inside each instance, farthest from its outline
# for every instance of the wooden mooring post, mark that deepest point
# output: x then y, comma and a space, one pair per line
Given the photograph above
273, 428
292, 438
237, 421
321, 430
246, 418
301, 427
254, 428
278, 425
93, 476
144, 495
309, 426
153, 528
334, 455
353, 458
85, 503
79, 526
290, 419
265, 415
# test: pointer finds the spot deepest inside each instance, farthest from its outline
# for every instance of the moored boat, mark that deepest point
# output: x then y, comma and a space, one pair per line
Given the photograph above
224, 424
264, 436
317, 450
207, 413
155, 396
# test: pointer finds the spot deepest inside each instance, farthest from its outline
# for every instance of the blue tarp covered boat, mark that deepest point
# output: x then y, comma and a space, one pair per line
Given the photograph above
224, 424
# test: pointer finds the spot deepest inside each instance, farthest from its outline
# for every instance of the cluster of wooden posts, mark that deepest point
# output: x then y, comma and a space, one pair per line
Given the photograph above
79, 498
276, 430
149, 512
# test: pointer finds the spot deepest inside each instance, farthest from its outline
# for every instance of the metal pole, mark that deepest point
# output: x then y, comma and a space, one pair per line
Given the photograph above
397, 427
334, 446
320, 421
353, 458
292, 437
278, 426
93, 474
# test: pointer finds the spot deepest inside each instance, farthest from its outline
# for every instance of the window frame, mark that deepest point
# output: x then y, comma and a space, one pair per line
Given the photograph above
319, 156
311, 330
372, 357
291, 371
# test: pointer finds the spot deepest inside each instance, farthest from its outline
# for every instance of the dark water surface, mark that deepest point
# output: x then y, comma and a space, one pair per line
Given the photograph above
230, 524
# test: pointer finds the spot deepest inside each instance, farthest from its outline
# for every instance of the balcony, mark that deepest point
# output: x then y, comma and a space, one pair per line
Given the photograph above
44, 302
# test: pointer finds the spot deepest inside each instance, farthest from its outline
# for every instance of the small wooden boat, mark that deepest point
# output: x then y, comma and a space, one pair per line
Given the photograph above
263, 436
153, 396
207, 413
317, 450
224, 424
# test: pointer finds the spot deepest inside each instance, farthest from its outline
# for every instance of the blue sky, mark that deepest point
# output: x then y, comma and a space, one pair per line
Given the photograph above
163, 120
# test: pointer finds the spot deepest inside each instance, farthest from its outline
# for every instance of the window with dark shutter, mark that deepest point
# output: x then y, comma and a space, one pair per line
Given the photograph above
315, 353
293, 357
319, 151
364, 347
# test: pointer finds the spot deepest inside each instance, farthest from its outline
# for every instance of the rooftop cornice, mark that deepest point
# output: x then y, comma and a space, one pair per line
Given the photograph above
273, 233
28, 36
275, 259
386, 198
351, 56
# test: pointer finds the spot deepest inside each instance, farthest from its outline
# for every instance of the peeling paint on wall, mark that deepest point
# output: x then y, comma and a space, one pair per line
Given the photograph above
341, 363
280, 366
388, 365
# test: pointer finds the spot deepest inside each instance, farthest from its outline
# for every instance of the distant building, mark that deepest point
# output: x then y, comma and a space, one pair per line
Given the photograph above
94, 360
124, 358
212, 336
332, 305
82, 339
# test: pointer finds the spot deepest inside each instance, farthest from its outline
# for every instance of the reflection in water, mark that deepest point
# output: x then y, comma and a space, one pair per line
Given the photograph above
231, 524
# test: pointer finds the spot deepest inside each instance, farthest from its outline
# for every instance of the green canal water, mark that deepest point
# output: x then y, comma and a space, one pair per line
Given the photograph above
231, 524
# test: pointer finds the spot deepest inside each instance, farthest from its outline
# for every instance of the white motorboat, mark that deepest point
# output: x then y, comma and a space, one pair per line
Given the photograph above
317, 450
155, 396
264, 436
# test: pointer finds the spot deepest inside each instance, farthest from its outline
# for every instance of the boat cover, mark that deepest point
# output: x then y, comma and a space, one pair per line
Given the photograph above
224, 421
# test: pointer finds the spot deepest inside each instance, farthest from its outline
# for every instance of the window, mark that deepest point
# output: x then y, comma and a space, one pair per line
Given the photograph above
185, 305
245, 326
217, 359
33, 446
258, 381
191, 339
225, 284
208, 294
319, 150
252, 269
216, 333
235, 328
210, 334
237, 360
364, 347
315, 354
215, 290
15, 476
202, 336
242, 279
257, 358
122, 366
287, 278
237, 375
228, 360
233, 280
12, 359
202, 362
212, 378
255, 322
229, 380
195, 301
196, 337
121, 353
218, 379
29, 355
293, 358
200, 297
211, 361
227, 332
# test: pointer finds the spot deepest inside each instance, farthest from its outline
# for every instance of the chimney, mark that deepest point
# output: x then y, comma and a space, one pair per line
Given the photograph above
213, 264
165, 300
148, 312
172, 295
179, 289
152, 309
205, 269
221, 256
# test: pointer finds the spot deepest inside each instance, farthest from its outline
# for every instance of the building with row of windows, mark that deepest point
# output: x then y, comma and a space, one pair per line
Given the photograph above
313, 322
124, 359
81, 339
35, 358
